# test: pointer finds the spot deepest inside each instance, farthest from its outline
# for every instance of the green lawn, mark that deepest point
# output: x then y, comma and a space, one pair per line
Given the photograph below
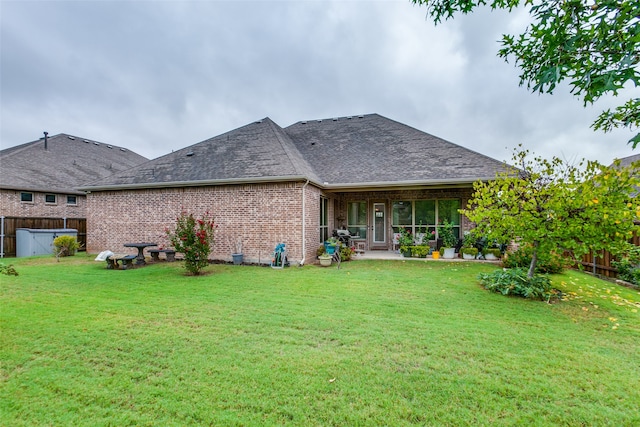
374, 343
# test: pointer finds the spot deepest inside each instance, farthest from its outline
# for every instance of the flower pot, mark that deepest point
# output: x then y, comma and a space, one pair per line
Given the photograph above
436, 255
490, 257
406, 254
468, 256
329, 249
325, 261
449, 253
237, 258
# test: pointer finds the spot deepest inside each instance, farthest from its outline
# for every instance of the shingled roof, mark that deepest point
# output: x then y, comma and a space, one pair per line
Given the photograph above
338, 153
66, 163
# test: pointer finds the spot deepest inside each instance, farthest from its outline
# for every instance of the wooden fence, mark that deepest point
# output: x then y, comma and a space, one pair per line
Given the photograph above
9, 225
601, 264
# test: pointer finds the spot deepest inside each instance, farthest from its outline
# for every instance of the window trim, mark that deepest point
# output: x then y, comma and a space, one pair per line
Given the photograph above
75, 200
23, 193
55, 199
414, 228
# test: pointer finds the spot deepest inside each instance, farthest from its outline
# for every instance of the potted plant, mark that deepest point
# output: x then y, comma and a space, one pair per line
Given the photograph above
325, 259
492, 254
330, 245
237, 255
405, 241
448, 240
469, 253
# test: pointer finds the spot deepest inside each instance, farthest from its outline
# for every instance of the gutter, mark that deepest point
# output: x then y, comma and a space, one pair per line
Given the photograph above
201, 183
304, 228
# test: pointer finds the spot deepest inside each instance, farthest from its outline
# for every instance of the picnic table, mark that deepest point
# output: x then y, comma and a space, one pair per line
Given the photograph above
140, 246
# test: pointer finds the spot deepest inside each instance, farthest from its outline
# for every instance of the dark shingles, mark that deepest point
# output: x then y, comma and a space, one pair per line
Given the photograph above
67, 163
258, 150
372, 148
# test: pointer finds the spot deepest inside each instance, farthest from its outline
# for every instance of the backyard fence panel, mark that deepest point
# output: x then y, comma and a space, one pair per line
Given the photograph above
13, 223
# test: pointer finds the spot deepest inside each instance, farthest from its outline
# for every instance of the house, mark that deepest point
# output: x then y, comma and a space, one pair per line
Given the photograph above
40, 179
266, 184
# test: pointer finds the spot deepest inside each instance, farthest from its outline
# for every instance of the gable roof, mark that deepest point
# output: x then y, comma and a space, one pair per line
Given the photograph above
341, 153
373, 150
259, 151
66, 163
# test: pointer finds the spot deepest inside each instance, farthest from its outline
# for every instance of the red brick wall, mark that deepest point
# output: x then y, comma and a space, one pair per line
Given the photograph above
10, 205
261, 214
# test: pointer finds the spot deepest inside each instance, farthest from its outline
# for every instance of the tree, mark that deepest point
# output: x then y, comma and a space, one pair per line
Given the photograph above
193, 238
594, 44
554, 206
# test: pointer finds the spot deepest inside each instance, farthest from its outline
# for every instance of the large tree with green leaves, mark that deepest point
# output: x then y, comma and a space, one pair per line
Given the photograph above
555, 206
593, 44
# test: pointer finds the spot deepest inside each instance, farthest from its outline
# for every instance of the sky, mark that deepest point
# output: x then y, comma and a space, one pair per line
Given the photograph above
155, 76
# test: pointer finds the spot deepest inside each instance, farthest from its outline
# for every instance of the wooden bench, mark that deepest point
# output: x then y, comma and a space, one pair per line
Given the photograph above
169, 254
126, 261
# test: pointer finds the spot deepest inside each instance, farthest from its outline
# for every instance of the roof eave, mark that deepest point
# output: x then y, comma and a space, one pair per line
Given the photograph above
454, 182
200, 183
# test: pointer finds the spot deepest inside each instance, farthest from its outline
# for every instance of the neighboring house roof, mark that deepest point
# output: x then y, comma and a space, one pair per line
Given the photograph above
341, 153
66, 163
626, 161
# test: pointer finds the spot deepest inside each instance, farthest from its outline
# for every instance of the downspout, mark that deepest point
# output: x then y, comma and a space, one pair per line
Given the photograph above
1, 236
304, 228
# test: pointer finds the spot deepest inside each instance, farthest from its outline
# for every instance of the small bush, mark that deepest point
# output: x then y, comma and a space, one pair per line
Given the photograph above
65, 246
346, 253
627, 271
548, 262
514, 281
469, 251
8, 270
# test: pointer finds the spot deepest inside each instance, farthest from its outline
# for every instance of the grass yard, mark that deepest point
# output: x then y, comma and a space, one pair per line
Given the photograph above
374, 343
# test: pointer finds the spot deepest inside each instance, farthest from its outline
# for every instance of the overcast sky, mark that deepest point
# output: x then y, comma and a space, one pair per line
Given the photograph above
156, 76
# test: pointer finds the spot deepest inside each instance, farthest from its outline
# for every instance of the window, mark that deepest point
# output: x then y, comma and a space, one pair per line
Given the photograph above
72, 200
324, 219
419, 216
357, 219
50, 199
26, 197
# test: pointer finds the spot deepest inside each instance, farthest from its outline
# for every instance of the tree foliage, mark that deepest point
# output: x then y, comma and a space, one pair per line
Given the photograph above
557, 207
593, 44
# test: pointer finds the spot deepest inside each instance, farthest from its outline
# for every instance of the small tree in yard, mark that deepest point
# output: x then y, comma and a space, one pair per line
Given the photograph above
193, 238
554, 206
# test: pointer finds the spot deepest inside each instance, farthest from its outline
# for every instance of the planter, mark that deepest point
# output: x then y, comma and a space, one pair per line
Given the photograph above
237, 258
449, 253
406, 254
435, 255
329, 249
490, 257
325, 261
468, 256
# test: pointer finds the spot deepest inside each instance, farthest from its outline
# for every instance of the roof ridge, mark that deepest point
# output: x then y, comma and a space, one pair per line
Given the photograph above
281, 135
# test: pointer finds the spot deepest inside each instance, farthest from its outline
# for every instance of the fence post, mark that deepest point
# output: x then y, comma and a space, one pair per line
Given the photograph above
594, 263
2, 236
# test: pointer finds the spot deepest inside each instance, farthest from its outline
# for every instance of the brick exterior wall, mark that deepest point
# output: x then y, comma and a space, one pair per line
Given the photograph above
11, 206
262, 215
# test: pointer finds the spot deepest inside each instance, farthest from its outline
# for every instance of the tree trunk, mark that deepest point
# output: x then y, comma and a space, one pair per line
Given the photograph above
534, 260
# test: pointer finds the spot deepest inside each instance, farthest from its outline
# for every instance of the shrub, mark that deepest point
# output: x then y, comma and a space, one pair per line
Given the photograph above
514, 281
8, 270
194, 239
346, 253
65, 246
320, 250
548, 262
627, 271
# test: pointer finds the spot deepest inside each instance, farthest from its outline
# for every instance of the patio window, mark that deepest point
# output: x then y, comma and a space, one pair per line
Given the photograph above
324, 219
420, 216
357, 219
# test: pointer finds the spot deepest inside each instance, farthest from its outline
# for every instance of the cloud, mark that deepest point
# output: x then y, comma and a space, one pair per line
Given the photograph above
157, 76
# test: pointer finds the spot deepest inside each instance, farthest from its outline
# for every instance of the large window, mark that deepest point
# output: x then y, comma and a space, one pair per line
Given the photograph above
324, 219
425, 216
357, 219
